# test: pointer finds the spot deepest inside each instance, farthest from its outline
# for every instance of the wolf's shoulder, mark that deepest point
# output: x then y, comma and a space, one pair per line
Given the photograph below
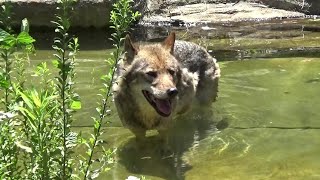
192, 55
186, 45
189, 49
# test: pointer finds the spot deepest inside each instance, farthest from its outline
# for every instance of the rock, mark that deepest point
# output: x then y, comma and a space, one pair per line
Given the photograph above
95, 13
215, 12
311, 7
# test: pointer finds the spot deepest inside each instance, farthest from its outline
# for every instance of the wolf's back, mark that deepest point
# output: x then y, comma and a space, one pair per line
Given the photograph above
197, 60
193, 56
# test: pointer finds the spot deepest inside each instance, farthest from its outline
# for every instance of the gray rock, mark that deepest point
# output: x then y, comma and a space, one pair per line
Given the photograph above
311, 7
214, 12
95, 13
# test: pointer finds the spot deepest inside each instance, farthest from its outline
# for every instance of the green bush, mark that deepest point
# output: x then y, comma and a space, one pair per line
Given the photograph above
37, 141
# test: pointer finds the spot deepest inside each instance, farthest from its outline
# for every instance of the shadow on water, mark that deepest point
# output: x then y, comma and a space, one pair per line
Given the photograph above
147, 159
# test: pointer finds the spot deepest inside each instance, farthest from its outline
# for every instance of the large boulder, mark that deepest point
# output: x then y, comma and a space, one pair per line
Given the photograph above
180, 12
95, 13
305, 6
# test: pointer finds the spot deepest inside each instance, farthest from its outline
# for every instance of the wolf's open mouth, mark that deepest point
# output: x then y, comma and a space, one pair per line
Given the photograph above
162, 106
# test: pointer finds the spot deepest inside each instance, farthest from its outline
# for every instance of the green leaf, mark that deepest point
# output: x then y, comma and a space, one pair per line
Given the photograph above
25, 39
55, 63
88, 152
107, 169
91, 140
75, 105
7, 40
3, 34
26, 99
30, 115
35, 99
96, 125
3, 82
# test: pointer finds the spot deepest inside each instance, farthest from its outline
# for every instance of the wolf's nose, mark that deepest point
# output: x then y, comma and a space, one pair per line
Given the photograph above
172, 92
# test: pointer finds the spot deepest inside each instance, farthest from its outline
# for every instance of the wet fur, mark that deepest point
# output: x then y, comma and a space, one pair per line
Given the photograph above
195, 76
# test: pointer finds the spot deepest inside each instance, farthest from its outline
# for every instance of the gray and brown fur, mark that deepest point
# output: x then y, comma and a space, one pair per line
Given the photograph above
179, 65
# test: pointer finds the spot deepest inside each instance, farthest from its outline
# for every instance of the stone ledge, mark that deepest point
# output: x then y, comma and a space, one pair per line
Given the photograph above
242, 11
95, 13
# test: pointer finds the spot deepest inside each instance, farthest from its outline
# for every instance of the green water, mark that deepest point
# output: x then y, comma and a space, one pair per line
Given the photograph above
268, 115
265, 124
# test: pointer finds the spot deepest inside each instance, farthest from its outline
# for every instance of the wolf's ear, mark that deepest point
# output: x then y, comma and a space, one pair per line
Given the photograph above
168, 43
129, 49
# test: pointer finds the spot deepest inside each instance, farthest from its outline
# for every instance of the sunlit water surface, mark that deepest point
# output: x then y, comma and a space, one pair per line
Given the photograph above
265, 124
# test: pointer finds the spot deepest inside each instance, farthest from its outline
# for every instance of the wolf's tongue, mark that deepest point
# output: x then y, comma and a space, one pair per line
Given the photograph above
164, 106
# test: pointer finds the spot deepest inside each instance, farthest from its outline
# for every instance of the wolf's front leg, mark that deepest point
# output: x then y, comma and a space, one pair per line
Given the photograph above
164, 138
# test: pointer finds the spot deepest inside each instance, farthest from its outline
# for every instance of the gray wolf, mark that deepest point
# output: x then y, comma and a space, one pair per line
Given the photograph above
155, 82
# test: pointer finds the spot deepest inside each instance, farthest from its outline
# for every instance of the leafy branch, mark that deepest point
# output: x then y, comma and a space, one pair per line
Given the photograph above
10, 43
66, 48
121, 18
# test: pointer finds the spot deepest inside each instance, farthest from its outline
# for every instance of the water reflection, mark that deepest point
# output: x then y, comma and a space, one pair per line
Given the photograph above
186, 134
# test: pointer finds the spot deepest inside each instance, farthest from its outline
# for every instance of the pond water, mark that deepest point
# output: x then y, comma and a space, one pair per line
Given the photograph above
264, 125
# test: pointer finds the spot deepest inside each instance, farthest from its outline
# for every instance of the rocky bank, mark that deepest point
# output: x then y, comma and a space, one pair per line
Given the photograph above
95, 13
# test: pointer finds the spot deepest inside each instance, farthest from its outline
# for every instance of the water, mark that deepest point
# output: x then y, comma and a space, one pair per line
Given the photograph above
265, 124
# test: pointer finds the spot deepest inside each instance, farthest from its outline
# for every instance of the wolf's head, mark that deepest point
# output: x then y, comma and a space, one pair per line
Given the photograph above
152, 73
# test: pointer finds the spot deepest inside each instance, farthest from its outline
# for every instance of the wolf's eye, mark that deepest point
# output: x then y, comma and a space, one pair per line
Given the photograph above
152, 74
172, 72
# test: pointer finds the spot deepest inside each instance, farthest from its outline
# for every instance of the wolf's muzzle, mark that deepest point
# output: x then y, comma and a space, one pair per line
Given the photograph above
172, 92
